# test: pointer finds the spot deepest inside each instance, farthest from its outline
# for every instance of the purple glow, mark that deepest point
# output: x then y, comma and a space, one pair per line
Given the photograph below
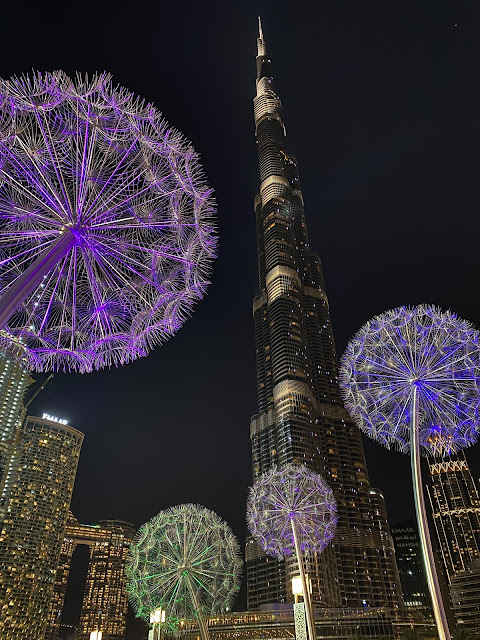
291, 493
82, 160
425, 348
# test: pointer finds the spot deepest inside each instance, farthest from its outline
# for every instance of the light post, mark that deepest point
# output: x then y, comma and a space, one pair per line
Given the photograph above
157, 618
299, 608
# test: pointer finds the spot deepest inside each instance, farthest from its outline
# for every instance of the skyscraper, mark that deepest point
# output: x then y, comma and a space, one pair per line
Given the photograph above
105, 600
455, 503
14, 380
411, 568
301, 417
41, 474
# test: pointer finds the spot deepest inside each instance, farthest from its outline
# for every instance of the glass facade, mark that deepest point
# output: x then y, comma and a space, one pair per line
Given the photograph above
301, 417
105, 600
339, 624
41, 475
411, 568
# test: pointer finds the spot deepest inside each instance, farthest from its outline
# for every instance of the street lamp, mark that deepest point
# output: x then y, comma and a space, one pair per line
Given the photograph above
157, 617
299, 607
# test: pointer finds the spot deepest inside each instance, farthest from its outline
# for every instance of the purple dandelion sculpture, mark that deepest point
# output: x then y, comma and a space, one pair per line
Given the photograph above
107, 225
411, 380
292, 510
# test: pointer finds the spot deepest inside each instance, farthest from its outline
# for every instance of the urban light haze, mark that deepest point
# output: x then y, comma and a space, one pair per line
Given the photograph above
381, 104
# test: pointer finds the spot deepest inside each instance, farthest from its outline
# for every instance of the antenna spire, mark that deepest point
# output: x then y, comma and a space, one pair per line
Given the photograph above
260, 32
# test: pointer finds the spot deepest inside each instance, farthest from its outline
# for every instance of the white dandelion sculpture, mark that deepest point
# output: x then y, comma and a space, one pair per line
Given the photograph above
411, 380
185, 561
107, 226
292, 510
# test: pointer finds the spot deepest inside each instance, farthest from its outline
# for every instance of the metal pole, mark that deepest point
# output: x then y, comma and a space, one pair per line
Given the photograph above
32, 277
306, 591
425, 542
201, 622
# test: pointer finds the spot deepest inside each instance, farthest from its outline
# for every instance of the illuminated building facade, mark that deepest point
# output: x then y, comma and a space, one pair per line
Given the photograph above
105, 603
41, 475
301, 417
14, 380
411, 568
455, 503
465, 594
338, 624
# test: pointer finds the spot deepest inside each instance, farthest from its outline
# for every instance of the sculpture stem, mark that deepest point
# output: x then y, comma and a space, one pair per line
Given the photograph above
201, 622
32, 277
425, 542
306, 591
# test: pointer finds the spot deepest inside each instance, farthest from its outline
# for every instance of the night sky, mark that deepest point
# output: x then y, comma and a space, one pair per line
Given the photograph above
381, 104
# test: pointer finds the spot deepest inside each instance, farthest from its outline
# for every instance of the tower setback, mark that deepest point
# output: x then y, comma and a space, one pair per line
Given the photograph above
301, 418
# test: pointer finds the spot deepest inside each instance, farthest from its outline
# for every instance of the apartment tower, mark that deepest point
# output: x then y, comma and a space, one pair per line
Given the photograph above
301, 418
41, 475
14, 380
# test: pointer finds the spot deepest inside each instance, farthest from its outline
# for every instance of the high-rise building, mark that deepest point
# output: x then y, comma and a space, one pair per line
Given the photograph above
411, 568
465, 594
301, 418
41, 475
455, 503
105, 600
14, 380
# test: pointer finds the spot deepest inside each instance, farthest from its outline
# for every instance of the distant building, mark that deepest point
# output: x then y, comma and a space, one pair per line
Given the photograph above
411, 568
41, 475
14, 380
67, 632
105, 601
465, 594
301, 418
455, 503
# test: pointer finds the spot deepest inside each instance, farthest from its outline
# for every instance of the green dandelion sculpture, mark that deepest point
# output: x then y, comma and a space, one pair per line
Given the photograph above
185, 561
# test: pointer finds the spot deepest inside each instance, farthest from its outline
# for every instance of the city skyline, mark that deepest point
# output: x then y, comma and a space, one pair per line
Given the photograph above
395, 138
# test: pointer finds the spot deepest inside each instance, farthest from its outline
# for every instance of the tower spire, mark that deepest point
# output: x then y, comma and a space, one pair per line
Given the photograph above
261, 50
260, 32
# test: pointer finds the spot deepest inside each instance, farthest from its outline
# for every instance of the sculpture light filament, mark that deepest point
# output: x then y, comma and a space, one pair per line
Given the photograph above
411, 380
186, 562
292, 510
107, 225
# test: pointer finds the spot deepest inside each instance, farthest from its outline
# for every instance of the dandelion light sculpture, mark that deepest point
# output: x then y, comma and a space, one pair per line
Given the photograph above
411, 380
186, 562
107, 226
292, 510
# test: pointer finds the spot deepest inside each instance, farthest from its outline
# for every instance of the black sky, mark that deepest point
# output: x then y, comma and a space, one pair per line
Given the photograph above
381, 103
